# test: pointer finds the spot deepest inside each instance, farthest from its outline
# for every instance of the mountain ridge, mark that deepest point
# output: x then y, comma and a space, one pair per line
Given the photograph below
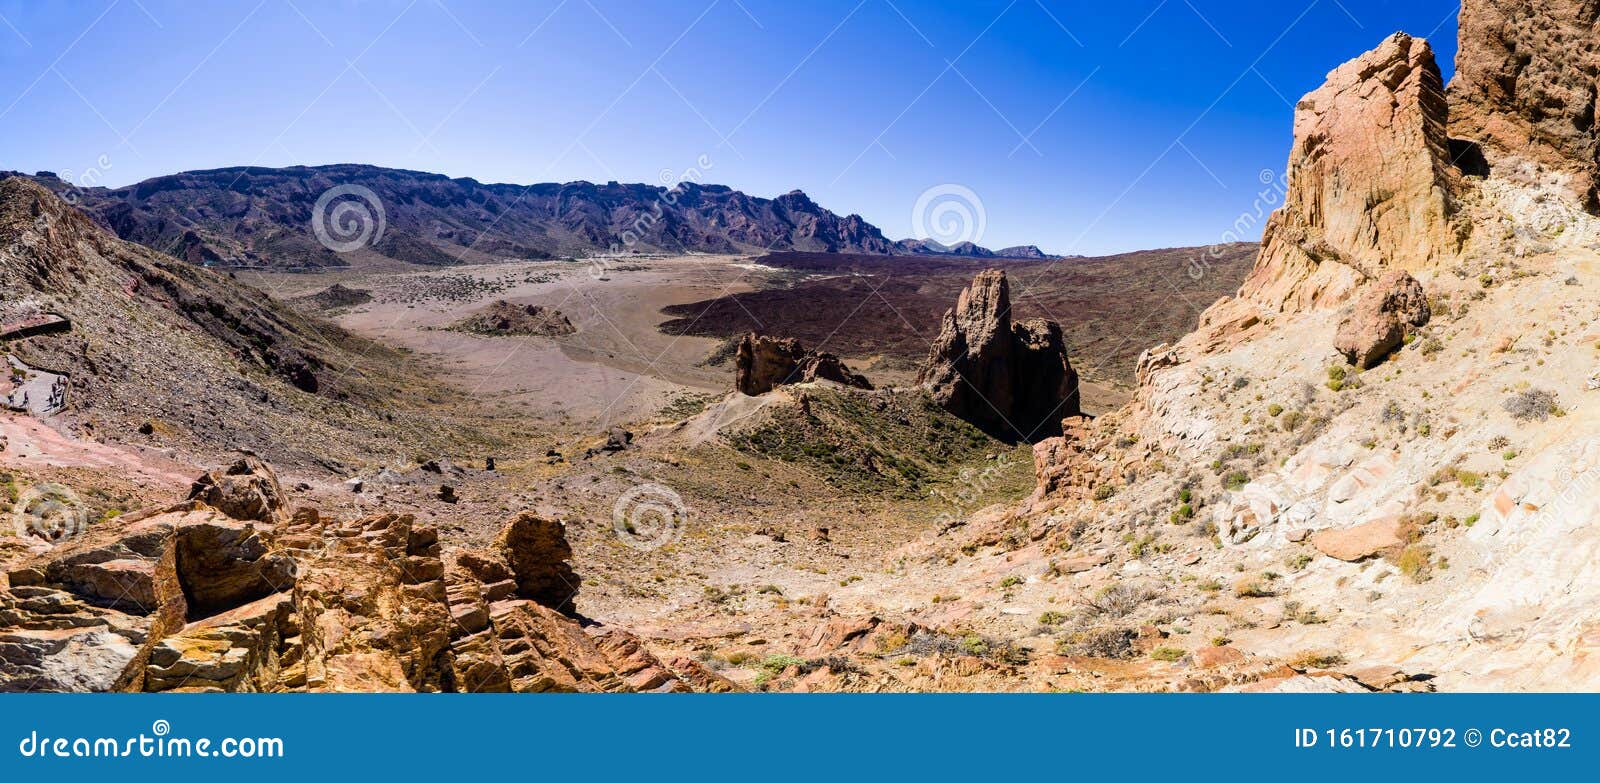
262, 217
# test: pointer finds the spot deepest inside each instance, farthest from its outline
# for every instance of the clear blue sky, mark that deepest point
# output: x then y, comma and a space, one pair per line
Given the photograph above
1084, 127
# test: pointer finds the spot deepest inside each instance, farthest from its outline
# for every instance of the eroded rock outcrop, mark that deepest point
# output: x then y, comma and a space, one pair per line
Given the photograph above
1371, 184
1525, 85
188, 598
502, 318
247, 489
765, 363
1382, 318
1011, 379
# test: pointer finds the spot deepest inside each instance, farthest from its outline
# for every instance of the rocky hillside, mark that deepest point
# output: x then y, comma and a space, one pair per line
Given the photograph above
263, 217
1375, 467
231, 591
157, 351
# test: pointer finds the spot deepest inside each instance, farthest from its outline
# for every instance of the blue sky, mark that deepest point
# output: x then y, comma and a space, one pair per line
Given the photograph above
1081, 127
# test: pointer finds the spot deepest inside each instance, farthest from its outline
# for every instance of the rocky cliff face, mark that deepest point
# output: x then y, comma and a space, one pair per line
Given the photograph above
1371, 183
1525, 86
1435, 509
156, 341
1012, 380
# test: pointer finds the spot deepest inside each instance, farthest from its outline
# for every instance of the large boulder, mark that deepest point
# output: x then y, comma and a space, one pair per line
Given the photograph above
248, 489
1012, 380
1359, 542
1382, 318
765, 363
1371, 185
537, 552
1525, 85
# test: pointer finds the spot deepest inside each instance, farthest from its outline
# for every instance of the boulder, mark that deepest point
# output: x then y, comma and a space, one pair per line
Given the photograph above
537, 553
765, 363
1371, 185
248, 489
1360, 542
1012, 380
1382, 318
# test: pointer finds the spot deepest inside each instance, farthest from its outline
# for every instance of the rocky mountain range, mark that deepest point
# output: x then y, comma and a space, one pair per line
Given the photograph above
260, 217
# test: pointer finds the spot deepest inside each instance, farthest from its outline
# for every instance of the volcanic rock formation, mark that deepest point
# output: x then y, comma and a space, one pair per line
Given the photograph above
189, 598
1371, 185
765, 363
504, 318
1525, 85
1013, 380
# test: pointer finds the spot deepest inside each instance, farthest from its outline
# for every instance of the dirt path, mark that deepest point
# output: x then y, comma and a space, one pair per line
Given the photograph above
31, 443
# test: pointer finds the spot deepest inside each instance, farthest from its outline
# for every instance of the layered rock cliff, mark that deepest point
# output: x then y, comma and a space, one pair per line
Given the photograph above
1371, 184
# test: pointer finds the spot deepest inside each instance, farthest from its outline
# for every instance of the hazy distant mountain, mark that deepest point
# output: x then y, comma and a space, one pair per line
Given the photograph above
255, 216
928, 247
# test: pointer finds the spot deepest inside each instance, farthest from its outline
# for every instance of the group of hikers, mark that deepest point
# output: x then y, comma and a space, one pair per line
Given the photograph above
56, 400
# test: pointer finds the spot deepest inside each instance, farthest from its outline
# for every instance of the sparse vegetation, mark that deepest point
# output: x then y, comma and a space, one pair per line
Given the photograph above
1532, 405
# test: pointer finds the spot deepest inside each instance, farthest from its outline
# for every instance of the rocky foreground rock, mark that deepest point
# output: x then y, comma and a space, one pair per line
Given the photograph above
192, 598
764, 363
1011, 379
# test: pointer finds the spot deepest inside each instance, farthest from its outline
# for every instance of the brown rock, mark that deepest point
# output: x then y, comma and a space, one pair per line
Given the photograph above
537, 552
1382, 318
1361, 541
1525, 84
504, 318
223, 563
1379, 677
1371, 184
1012, 380
248, 489
765, 363
1214, 657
